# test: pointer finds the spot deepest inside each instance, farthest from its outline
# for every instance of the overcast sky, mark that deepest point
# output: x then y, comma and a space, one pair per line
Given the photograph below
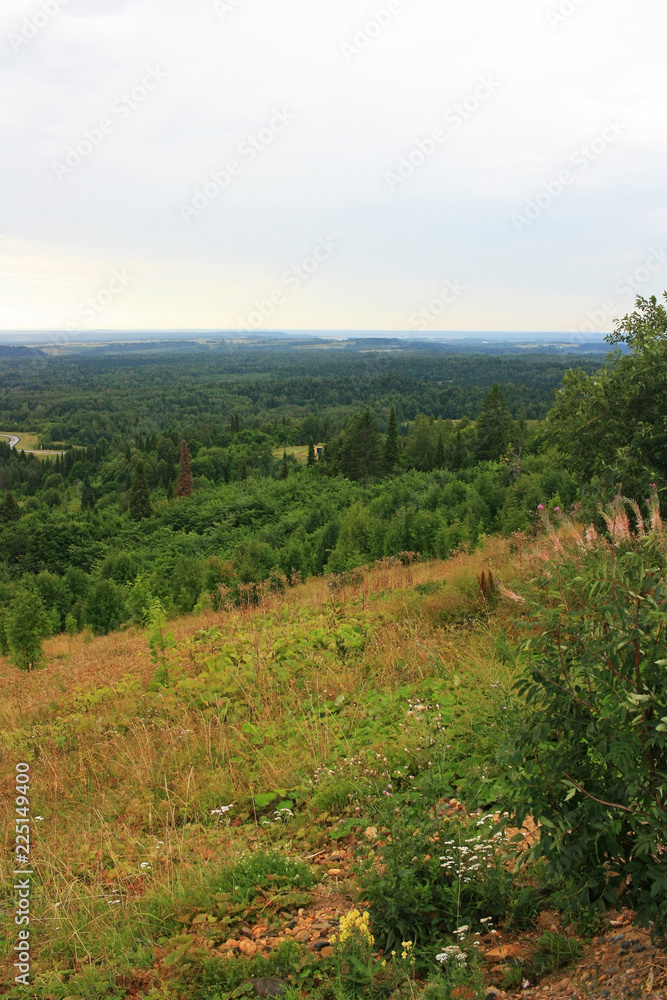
416, 165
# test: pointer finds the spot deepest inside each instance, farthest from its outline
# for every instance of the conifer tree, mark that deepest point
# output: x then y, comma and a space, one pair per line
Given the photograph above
284, 471
494, 425
10, 510
311, 454
184, 483
139, 498
391, 443
440, 453
87, 495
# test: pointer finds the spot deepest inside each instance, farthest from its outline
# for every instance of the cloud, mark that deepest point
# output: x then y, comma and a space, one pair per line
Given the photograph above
225, 72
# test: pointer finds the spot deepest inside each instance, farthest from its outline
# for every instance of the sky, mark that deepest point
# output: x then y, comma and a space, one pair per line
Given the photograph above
256, 165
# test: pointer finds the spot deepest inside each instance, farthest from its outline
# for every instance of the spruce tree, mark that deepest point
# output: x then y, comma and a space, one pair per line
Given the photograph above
311, 454
391, 443
139, 498
440, 457
87, 495
184, 483
494, 425
10, 510
284, 471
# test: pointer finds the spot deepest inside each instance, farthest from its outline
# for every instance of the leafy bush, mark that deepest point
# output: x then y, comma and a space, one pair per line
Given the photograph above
432, 879
589, 759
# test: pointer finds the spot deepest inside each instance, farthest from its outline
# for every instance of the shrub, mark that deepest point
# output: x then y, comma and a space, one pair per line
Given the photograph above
589, 759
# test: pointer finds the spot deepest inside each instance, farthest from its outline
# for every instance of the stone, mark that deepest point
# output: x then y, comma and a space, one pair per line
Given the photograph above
302, 937
336, 872
319, 945
327, 952
503, 952
268, 986
247, 947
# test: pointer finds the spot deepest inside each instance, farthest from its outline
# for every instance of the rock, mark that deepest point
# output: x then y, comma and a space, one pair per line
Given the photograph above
302, 937
463, 993
564, 984
503, 952
336, 856
319, 945
268, 986
247, 947
327, 952
371, 833
336, 872
230, 945
637, 946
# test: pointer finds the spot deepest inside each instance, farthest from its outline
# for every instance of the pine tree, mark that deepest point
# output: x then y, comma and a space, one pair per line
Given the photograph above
184, 483
391, 443
311, 454
139, 498
284, 471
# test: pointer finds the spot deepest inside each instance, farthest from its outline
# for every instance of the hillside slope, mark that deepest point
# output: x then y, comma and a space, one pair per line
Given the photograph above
208, 801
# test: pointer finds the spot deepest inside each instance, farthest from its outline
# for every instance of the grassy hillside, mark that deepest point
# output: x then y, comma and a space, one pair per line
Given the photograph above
212, 797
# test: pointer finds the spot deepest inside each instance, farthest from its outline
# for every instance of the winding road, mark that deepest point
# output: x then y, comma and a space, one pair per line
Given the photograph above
13, 440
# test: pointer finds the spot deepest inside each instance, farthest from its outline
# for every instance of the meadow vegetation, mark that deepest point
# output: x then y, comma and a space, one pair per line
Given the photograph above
351, 728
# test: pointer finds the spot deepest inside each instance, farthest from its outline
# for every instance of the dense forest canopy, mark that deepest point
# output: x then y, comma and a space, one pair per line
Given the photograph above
176, 478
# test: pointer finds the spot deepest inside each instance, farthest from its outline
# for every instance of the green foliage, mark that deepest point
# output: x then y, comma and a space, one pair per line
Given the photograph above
589, 758
262, 870
104, 607
611, 425
418, 895
160, 641
26, 624
139, 498
494, 425
553, 951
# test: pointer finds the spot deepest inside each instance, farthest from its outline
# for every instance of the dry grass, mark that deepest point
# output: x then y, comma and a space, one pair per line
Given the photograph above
123, 774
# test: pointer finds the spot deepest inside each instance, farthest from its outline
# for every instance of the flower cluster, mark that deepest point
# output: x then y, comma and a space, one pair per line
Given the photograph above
355, 928
452, 953
465, 860
220, 812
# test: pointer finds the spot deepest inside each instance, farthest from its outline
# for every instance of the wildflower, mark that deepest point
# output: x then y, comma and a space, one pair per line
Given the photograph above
145, 865
222, 810
355, 925
38, 819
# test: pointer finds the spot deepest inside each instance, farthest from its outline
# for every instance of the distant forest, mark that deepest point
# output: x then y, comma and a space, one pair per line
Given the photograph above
199, 475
